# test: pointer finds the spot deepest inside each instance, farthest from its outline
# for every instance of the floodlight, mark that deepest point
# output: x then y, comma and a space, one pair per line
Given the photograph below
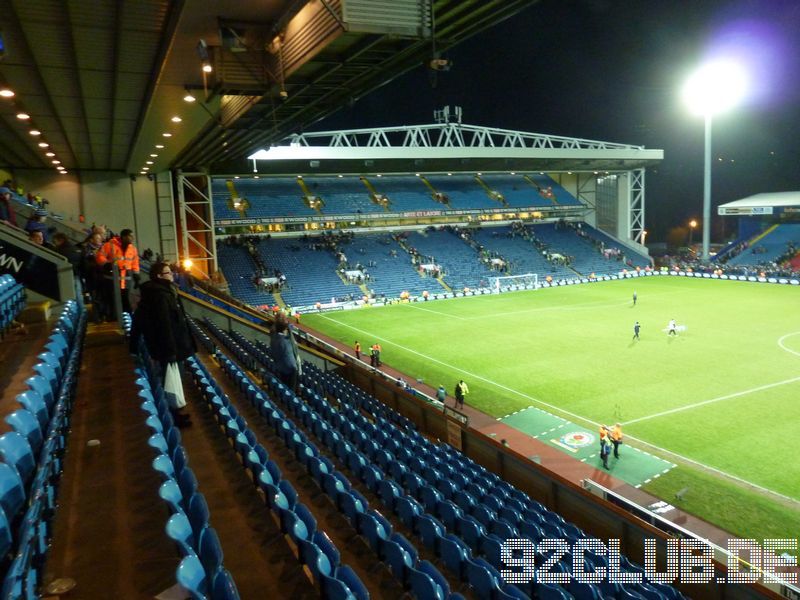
715, 87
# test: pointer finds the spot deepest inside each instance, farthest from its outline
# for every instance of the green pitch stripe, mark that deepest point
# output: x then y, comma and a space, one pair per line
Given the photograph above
634, 466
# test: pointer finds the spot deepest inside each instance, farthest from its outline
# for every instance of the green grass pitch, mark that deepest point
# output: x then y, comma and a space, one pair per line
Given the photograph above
722, 397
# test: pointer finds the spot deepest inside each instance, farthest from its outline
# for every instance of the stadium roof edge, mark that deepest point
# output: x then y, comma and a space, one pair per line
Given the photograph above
766, 199
448, 146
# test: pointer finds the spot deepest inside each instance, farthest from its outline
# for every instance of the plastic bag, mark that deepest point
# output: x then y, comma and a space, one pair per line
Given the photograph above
173, 387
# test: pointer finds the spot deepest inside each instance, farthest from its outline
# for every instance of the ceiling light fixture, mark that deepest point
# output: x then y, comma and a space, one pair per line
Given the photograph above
23, 116
176, 119
50, 154
148, 162
166, 134
207, 68
35, 132
154, 155
145, 168
44, 145
63, 172
56, 162
159, 146
6, 93
189, 98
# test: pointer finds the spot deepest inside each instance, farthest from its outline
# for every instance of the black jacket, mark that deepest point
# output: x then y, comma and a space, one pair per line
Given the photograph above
161, 320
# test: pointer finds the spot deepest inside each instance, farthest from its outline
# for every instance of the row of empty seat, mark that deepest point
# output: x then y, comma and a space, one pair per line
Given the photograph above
284, 196
312, 546
32, 456
12, 301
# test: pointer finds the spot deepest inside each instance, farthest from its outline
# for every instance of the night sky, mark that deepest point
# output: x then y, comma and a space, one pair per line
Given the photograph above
613, 70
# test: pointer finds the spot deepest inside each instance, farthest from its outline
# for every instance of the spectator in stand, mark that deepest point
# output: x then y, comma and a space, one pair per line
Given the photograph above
284, 351
36, 222
92, 276
36, 237
120, 251
62, 245
161, 320
7, 215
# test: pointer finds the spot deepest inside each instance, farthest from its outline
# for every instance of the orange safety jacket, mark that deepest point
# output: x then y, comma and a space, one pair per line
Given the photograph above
111, 252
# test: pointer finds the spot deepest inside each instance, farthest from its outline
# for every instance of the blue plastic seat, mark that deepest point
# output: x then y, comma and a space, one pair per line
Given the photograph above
315, 559
482, 577
503, 529
430, 497
471, 531
448, 514
423, 586
491, 547
26, 424
158, 442
170, 493
350, 506
483, 515
374, 528
408, 510
48, 373
223, 586
389, 492
33, 402
187, 482
180, 531
454, 554
15, 451
163, 465
39, 384
192, 577
210, 551
345, 586
430, 531
198, 513
398, 556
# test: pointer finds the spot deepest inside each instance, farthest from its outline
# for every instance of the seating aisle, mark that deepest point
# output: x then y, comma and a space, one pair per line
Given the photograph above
109, 526
255, 552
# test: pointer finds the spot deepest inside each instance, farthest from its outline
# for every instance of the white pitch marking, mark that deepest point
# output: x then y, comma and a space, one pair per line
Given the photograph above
712, 400
436, 312
454, 368
780, 343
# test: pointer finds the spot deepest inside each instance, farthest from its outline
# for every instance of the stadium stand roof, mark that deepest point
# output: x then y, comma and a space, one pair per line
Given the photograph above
446, 146
765, 203
102, 80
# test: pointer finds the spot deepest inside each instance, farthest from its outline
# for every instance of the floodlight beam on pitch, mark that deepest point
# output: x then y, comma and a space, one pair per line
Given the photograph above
714, 88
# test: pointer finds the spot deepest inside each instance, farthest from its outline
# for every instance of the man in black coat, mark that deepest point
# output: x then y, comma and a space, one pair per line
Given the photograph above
161, 320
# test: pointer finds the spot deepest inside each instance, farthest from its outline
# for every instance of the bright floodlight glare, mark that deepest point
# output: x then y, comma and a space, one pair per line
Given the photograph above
187, 263
715, 88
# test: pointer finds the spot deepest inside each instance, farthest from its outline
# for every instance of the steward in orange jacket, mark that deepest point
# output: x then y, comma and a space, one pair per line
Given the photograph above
120, 251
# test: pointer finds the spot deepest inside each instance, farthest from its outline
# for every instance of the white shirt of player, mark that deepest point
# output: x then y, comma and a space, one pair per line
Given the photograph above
672, 325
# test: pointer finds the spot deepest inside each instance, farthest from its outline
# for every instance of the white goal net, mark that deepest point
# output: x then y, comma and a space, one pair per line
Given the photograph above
529, 281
